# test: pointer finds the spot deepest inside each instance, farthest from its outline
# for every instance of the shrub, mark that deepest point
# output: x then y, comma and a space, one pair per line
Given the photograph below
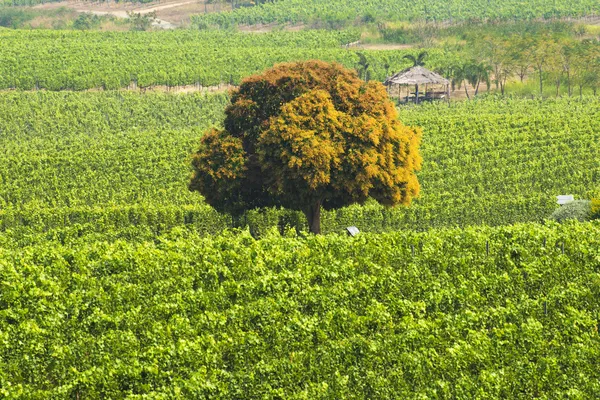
595, 211
86, 21
580, 210
15, 18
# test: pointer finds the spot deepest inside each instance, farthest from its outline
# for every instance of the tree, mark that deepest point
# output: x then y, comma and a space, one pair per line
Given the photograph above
417, 61
86, 21
544, 55
141, 22
362, 67
586, 65
306, 136
461, 74
477, 73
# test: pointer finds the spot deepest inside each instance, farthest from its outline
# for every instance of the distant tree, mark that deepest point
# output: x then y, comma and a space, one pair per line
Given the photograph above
461, 74
521, 50
417, 61
568, 51
307, 136
141, 22
478, 72
544, 55
586, 65
86, 21
363, 66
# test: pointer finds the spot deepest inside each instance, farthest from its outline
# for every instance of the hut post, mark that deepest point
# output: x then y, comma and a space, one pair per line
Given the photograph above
417, 93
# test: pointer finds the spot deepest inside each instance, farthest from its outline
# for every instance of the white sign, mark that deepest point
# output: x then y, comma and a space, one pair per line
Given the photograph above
564, 199
352, 230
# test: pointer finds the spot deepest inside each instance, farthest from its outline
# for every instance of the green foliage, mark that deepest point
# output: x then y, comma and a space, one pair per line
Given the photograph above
500, 53
100, 149
141, 22
86, 21
579, 210
463, 314
348, 12
121, 158
78, 60
595, 208
15, 17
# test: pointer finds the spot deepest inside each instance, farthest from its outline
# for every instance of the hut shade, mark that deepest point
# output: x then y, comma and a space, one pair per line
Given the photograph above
416, 76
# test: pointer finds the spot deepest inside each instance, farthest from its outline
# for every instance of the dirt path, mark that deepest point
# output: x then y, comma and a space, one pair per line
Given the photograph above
141, 10
170, 13
381, 46
123, 14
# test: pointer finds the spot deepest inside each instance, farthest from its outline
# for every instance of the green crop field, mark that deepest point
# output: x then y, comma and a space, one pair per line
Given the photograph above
60, 60
338, 11
118, 282
482, 313
118, 158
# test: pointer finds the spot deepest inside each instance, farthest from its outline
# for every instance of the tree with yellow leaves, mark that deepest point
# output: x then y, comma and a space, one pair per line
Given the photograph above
306, 136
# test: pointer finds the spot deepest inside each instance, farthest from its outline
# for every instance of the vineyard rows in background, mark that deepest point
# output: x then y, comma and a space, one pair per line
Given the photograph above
336, 12
116, 159
490, 313
73, 60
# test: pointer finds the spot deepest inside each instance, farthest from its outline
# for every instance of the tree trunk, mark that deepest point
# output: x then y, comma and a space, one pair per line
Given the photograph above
541, 82
466, 90
313, 217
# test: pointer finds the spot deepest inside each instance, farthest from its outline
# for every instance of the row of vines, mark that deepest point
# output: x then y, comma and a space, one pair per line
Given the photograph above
486, 313
344, 11
115, 159
74, 60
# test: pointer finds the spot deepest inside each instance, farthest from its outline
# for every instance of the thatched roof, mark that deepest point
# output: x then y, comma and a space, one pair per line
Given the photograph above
416, 76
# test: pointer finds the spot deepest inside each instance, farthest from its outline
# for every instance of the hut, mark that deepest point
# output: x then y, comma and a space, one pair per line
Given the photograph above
419, 77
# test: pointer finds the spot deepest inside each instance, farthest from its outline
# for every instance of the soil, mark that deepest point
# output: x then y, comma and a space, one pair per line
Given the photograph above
158, 88
170, 13
382, 46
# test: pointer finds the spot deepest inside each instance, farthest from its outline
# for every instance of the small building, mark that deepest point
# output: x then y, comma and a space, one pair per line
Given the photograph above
427, 85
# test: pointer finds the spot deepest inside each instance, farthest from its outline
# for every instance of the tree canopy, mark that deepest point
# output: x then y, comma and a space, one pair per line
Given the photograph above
304, 136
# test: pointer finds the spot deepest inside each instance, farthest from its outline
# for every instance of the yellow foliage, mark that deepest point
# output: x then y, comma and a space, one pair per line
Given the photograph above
309, 134
596, 208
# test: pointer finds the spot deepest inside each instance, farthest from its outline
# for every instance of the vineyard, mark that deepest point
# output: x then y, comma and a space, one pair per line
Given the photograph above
344, 12
71, 60
108, 160
119, 282
487, 313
